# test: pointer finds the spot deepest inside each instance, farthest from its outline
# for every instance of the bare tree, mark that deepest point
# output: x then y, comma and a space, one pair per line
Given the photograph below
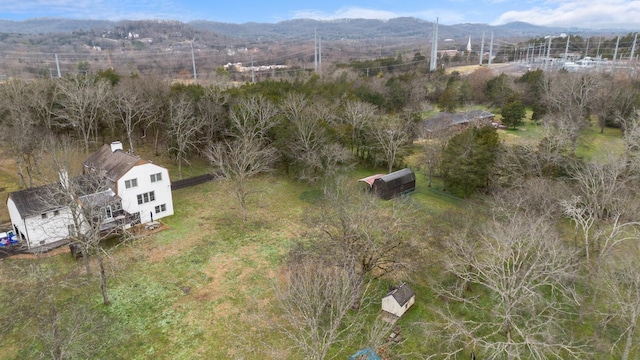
246, 151
316, 302
80, 104
212, 106
23, 133
89, 212
132, 108
621, 281
354, 228
35, 297
357, 116
391, 136
616, 97
316, 157
631, 134
569, 95
156, 92
605, 208
433, 142
91, 206
182, 129
507, 272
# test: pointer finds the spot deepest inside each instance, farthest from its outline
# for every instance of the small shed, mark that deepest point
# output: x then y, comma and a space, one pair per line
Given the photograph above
395, 184
398, 300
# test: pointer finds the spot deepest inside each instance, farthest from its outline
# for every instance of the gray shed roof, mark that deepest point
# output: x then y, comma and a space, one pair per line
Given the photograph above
443, 120
114, 163
402, 294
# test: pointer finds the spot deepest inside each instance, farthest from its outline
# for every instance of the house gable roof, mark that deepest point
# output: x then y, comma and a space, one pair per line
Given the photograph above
114, 164
402, 294
50, 197
35, 200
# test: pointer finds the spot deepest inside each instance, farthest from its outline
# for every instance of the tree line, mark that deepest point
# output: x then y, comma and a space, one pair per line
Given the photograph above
537, 263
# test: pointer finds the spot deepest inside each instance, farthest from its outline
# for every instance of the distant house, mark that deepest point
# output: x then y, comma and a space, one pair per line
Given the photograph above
445, 120
391, 185
398, 300
122, 188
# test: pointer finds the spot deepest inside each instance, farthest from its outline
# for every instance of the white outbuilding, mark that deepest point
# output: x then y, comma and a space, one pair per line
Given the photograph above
398, 300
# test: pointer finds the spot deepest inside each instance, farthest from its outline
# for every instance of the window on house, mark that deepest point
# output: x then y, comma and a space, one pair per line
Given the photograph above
161, 208
156, 177
130, 183
146, 197
107, 213
56, 213
44, 216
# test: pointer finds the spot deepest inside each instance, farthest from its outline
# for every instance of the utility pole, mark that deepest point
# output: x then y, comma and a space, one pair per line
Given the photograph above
548, 58
482, 49
586, 50
320, 54
490, 50
193, 61
633, 48
566, 49
315, 50
540, 51
58, 66
615, 52
253, 78
434, 47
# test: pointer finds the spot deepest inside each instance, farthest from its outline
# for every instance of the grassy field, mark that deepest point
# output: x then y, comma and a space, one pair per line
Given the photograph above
203, 287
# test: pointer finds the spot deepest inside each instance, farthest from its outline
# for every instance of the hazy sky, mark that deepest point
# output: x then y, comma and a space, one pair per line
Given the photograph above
565, 13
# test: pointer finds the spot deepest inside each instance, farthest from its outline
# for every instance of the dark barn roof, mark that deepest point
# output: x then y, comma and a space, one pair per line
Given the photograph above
397, 183
402, 294
114, 163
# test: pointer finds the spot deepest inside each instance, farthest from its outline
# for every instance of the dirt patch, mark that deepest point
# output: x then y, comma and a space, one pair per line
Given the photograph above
61, 250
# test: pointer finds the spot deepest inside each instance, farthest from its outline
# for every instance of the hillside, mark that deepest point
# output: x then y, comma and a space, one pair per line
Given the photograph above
404, 27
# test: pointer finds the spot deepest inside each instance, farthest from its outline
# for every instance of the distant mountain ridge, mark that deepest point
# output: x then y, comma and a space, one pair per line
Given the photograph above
346, 29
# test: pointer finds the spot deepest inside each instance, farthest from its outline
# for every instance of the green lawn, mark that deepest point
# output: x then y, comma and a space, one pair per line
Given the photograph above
202, 288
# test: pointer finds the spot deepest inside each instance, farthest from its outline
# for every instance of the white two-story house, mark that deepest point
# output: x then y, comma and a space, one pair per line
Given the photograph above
144, 187
126, 190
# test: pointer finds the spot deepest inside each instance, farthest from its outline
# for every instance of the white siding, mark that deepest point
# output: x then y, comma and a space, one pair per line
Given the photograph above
39, 231
390, 305
161, 189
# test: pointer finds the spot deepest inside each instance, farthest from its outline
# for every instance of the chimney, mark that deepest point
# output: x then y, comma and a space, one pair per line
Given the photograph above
116, 145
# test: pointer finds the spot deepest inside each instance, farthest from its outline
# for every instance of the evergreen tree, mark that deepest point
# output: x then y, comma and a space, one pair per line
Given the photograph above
468, 159
512, 113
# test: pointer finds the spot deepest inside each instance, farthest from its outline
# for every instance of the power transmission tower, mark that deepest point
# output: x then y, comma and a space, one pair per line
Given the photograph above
482, 49
434, 47
193, 60
490, 50
58, 66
